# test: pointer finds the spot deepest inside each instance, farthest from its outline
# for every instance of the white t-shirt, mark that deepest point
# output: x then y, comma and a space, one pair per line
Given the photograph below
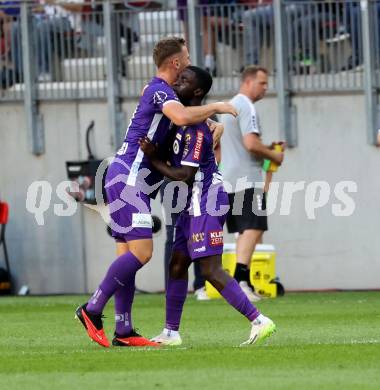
237, 163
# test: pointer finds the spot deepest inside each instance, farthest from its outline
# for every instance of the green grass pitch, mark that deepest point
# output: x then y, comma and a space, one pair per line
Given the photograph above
323, 341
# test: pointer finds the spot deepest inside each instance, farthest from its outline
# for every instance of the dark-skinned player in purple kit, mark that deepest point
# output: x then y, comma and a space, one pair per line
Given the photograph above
199, 229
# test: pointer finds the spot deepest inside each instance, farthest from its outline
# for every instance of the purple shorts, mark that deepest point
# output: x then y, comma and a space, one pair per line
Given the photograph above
199, 236
129, 208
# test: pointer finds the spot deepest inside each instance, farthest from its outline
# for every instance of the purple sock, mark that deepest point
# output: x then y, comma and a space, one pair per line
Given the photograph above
235, 296
121, 271
176, 292
123, 308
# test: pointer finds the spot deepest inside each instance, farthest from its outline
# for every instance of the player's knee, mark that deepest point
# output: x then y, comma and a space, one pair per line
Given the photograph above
212, 273
177, 270
144, 255
142, 249
207, 271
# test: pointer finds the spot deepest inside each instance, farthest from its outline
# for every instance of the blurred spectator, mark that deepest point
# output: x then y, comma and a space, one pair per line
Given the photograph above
352, 15
378, 137
9, 12
215, 19
58, 25
217, 15
126, 29
258, 24
54, 22
257, 21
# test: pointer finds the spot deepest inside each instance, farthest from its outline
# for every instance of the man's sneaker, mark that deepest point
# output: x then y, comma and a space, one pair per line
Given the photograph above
93, 324
201, 294
133, 340
168, 337
261, 329
251, 295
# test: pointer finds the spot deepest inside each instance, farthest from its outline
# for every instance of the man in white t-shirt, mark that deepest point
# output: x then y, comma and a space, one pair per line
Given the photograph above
242, 157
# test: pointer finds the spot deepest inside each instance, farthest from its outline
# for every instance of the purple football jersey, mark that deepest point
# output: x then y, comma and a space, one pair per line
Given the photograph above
193, 146
147, 120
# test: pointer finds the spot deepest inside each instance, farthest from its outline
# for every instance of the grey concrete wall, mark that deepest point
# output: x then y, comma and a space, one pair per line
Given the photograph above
71, 254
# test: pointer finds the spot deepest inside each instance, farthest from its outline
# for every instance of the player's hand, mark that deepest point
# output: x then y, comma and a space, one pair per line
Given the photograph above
148, 148
278, 157
217, 130
281, 143
225, 108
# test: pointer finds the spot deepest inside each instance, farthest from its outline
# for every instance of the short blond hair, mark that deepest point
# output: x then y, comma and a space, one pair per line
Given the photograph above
252, 70
167, 47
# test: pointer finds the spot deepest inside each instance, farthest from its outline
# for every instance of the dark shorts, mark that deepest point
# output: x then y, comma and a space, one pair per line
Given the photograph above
247, 211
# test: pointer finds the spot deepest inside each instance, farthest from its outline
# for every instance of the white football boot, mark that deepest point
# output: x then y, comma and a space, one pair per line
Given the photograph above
262, 328
168, 337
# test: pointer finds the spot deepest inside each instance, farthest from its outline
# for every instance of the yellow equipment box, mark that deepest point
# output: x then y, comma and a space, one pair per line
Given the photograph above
262, 271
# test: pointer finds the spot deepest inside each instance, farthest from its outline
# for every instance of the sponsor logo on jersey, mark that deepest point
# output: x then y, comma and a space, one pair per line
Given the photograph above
198, 237
159, 97
201, 249
141, 220
216, 238
198, 146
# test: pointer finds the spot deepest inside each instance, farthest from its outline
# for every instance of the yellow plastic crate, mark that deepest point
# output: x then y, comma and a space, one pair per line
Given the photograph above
262, 271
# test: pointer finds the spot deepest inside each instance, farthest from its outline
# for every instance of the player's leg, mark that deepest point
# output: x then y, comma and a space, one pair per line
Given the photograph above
176, 290
123, 270
245, 247
125, 335
262, 327
176, 293
120, 274
250, 221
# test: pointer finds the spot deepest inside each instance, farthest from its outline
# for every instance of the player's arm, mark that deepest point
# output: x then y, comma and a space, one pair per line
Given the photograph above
184, 173
185, 116
248, 124
253, 144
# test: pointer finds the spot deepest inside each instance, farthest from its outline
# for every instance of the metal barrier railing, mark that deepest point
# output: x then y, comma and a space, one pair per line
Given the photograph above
9, 54
68, 59
320, 39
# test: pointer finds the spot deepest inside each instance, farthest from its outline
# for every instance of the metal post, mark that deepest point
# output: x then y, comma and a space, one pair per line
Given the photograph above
370, 89
287, 112
116, 117
34, 122
194, 20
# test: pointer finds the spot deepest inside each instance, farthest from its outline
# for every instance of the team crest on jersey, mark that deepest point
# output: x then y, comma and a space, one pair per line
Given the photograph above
216, 238
198, 146
176, 146
159, 97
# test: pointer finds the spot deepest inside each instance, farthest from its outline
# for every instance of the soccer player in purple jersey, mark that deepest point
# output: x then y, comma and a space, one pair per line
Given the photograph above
199, 229
131, 181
